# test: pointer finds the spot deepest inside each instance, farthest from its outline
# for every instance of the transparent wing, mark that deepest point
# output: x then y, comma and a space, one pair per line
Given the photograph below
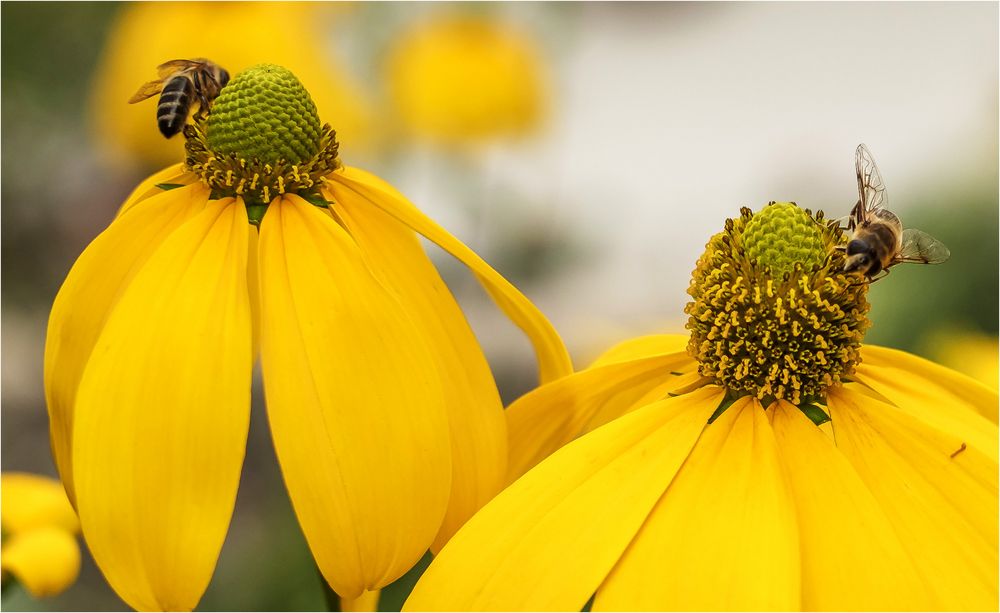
168, 68
871, 188
922, 248
148, 90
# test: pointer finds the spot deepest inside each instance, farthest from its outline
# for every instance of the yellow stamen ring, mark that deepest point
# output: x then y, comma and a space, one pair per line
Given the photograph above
789, 333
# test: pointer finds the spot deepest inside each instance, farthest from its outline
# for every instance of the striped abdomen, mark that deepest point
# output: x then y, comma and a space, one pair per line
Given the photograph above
175, 100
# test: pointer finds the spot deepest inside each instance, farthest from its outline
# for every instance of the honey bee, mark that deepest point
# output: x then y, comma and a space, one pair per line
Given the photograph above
878, 240
181, 83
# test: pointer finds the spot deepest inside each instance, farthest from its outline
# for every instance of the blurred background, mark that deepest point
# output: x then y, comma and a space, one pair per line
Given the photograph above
588, 151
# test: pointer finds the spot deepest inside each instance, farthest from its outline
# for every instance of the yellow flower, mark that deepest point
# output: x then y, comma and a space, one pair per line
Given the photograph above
39, 527
235, 35
385, 417
968, 352
804, 472
464, 79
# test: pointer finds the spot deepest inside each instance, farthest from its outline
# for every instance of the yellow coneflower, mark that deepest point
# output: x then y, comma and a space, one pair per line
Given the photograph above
463, 78
39, 527
235, 35
384, 414
776, 463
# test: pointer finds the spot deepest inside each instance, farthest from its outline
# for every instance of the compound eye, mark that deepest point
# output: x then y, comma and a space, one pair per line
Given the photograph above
855, 246
223, 77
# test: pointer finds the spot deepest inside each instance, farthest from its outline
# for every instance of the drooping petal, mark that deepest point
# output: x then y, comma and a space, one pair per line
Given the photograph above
91, 289
723, 536
901, 375
32, 501
553, 358
942, 507
475, 412
367, 601
45, 560
852, 559
552, 415
643, 347
354, 402
547, 541
171, 175
253, 285
162, 413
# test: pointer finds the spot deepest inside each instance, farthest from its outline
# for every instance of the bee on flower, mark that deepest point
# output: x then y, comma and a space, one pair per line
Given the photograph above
262, 243
235, 35
768, 461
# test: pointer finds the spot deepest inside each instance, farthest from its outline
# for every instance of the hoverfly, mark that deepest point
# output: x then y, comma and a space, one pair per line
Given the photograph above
878, 240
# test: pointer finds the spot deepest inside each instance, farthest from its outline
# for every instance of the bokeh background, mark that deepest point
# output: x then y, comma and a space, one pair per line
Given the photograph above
588, 151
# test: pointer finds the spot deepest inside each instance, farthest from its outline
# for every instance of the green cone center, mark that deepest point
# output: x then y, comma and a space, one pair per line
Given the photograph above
265, 113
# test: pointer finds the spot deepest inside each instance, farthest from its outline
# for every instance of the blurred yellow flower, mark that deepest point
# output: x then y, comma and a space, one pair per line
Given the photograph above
235, 35
38, 523
460, 79
972, 353
384, 413
786, 467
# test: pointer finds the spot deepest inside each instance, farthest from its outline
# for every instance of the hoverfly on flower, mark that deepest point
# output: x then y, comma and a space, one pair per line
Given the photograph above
879, 241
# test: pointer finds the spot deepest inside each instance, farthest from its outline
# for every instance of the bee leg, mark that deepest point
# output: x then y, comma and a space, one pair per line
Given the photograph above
882, 275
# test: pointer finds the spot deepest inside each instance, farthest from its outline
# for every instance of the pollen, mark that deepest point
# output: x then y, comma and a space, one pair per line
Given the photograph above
772, 314
262, 138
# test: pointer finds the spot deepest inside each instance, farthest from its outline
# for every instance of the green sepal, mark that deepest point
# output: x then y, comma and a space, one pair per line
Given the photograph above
817, 415
725, 404
255, 213
316, 200
169, 186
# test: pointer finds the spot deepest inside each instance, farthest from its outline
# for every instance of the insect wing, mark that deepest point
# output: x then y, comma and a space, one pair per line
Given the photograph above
148, 90
922, 248
167, 69
871, 188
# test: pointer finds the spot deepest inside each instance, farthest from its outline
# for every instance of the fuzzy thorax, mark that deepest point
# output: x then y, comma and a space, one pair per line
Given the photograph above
773, 315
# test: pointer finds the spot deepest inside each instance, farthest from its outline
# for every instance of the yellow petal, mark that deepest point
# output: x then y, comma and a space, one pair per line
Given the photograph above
89, 292
33, 501
552, 415
723, 537
898, 374
943, 508
852, 559
553, 359
367, 601
475, 413
174, 174
253, 285
643, 347
939, 406
162, 415
547, 541
354, 402
45, 560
